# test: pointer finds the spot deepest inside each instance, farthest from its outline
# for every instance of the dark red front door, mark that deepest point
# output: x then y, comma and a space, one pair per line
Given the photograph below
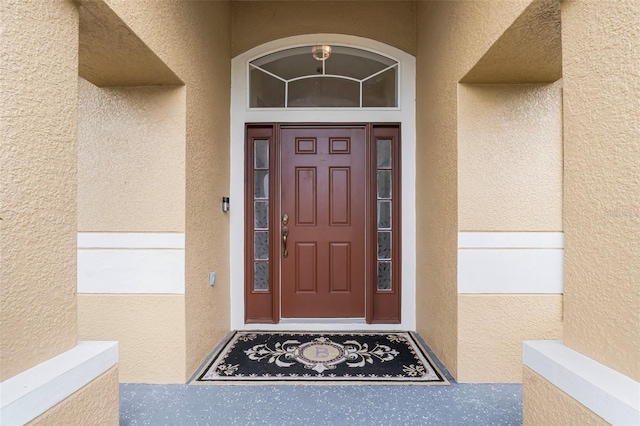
322, 218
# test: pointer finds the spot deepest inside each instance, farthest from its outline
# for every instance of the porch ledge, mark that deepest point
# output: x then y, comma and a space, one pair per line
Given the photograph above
31, 393
608, 393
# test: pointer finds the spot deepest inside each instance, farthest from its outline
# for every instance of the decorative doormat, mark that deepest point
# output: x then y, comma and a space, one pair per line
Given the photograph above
322, 358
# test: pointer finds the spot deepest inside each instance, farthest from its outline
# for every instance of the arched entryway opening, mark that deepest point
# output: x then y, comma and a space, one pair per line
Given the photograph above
366, 103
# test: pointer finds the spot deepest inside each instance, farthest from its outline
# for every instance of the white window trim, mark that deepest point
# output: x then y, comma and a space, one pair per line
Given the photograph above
403, 114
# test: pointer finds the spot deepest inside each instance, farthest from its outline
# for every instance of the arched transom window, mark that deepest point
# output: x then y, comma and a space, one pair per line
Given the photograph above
323, 76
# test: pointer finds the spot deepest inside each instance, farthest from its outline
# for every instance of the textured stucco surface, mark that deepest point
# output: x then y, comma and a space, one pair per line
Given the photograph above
601, 47
96, 403
38, 113
194, 40
544, 405
510, 157
112, 55
131, 159
451, 38
257, 22
149, 329
492, 328
530, 51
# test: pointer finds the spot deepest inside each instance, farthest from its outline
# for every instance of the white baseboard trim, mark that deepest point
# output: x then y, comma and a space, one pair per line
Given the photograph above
131, 263
608, 393
510, 263
31, 393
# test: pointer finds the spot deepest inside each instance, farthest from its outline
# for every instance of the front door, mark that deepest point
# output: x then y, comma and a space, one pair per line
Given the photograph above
322, 221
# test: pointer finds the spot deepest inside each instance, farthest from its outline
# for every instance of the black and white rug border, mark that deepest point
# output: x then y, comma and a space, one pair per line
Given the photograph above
232, 338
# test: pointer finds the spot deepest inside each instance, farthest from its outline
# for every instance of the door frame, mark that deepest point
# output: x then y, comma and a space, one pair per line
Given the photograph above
380, 307
403, 114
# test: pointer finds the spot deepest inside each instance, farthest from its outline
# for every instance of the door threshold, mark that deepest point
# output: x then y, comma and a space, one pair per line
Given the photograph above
323, 321
324, 324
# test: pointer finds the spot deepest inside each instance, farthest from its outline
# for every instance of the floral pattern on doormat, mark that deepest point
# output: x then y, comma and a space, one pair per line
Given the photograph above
295, 357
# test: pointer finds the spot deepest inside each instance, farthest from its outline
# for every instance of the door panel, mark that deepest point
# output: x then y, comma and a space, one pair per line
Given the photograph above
339, 195
306, 257
323, 186
340, 265
306, 196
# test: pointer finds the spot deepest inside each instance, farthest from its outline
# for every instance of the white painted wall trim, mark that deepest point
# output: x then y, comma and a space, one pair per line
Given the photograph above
507, 240
31, 393
131, 263
515, 271
404, 114
608, 393
131, 240
131, 271
510, 263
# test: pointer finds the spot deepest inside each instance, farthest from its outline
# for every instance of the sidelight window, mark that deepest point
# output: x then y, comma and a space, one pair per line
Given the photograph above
384, 222
323, 76
261, 214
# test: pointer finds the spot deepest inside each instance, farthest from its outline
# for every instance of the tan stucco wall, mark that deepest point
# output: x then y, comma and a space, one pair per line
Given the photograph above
530, 51
510, 157
95, 404
150, 330
492, 328
112, 55
131, 159
257, 22
451, 38
545, 405
38, 100
601, 41
194, 40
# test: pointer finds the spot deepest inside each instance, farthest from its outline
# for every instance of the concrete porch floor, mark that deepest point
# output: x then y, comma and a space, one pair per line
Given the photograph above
456, 404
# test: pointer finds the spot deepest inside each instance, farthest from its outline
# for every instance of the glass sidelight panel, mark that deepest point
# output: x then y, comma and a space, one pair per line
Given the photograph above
384, 153
261, 245
261, 214
385, 223
384, 214
261, 184
384, 276
384, 245
261, 154
384, 184
261, 276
